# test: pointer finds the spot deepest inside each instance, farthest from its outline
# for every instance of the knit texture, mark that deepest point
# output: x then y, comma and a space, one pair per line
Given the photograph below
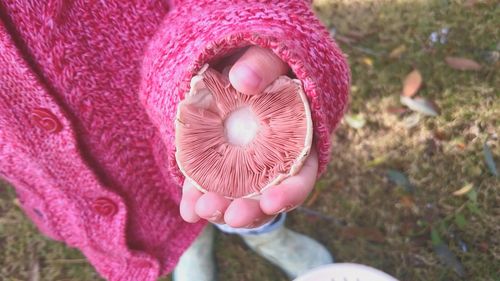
212, 29
88, 93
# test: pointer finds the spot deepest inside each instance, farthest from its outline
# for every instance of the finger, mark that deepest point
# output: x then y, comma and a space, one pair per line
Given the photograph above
188, 201
212, 206
245, 213
229, 60
292, 191
255, 70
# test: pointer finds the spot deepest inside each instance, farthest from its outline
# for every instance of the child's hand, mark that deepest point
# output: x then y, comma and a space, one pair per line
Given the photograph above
252, 73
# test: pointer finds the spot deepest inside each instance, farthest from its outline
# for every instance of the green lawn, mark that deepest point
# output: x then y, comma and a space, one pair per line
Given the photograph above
365, 216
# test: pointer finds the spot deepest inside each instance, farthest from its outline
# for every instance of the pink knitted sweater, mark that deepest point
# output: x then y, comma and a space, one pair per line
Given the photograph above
88, 92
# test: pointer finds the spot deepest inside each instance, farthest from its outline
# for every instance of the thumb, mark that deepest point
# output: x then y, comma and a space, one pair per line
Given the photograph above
255, 70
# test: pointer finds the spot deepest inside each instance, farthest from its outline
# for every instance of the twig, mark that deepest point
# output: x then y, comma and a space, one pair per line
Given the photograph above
320, 215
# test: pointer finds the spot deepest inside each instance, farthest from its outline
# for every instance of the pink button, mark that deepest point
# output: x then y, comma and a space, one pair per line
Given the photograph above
46, 120
105, 206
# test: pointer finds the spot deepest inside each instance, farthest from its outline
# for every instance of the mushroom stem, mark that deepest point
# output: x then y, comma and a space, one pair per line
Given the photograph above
241, 126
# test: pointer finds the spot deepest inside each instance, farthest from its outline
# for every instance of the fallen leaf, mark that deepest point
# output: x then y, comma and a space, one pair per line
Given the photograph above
355, 121
367, 61
472, 195
473, 208
462, 63
490, 162
369, 233
464, 190
397, 52
435, 237
448, 258
472, 203
460, 145
412, 83
460, 220
400, 179
396, 110
407, 202
420, 105
377, 161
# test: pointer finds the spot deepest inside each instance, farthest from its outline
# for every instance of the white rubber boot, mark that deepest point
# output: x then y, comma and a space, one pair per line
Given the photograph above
292, 252
198, 262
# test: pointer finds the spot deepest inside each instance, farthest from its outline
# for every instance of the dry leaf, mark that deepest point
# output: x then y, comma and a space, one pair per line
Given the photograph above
367, 61
407, 202
460, 145
412, 83
420, 105
397, 52
396, 110
463, 190
462, 63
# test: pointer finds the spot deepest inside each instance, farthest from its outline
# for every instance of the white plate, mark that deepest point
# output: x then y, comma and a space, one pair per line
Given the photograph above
345, 272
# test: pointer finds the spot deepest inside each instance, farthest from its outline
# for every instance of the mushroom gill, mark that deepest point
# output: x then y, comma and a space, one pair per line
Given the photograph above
238, 145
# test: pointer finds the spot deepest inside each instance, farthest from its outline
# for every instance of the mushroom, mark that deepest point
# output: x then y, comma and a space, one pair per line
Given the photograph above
239, 145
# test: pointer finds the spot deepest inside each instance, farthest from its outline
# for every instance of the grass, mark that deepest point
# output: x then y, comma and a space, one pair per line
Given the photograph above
381, 224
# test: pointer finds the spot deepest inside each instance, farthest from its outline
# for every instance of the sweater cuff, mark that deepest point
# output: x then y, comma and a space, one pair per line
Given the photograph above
201, 33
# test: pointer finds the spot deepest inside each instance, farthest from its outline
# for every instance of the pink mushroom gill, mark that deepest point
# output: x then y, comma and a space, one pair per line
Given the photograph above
238, 145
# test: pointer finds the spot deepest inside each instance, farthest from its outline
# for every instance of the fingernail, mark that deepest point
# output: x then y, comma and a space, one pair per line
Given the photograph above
280, 211
253, 224
246, 75
287, 208
215, 216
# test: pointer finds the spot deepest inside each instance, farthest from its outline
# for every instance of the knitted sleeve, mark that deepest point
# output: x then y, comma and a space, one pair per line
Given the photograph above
197, 32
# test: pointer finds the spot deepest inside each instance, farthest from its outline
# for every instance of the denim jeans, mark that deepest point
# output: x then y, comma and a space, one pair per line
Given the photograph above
268, 227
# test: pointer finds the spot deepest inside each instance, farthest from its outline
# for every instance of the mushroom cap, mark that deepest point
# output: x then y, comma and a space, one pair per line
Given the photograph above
238, 145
